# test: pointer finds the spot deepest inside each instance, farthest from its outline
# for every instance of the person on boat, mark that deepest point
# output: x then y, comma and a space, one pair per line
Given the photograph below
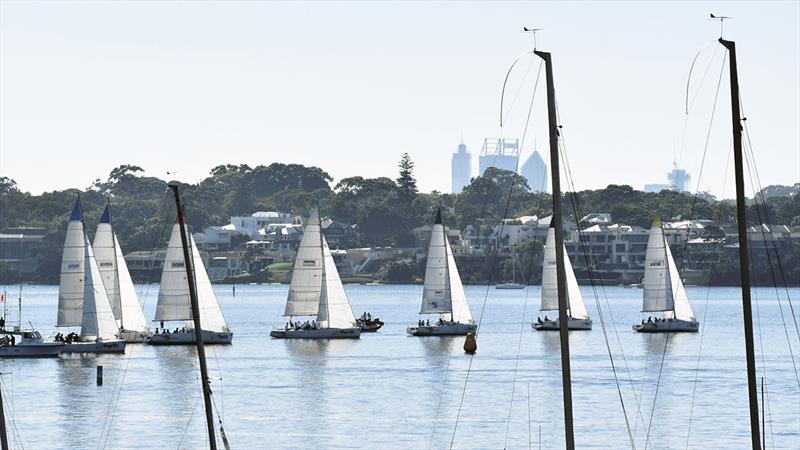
2, 323
162, 325
650, 319
546, 319
539, 319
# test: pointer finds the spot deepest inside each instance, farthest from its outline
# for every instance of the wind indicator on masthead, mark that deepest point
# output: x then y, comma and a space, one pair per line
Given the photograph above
532, 30
721, 19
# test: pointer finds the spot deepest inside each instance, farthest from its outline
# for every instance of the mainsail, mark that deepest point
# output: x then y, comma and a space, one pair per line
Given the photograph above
436, 294
306, 284
116, 278
97, 321
577, 309
70, 287
173, 294
334, 308
657, 285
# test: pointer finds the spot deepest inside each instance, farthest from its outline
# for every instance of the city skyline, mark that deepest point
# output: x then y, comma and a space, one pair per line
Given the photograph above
91, 86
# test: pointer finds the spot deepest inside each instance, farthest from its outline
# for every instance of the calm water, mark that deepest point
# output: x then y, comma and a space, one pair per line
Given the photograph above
387, 390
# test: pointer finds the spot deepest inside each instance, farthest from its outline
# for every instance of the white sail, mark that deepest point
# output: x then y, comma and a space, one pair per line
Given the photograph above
683, 310
458, 298
334, 308
104, 253
70, 287
97, 321
657, 285
577, 309
306, 284
436, 292
173, 296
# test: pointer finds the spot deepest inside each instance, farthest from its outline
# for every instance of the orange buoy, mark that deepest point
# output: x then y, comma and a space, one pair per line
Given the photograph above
470, 343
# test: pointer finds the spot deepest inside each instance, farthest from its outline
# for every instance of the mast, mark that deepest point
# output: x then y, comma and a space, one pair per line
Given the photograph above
198, 330
116, 266
561, 276
324, 272
741, 218
3, 435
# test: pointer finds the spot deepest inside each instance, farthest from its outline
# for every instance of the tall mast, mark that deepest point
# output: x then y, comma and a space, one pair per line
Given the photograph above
3, 435
561, 276
116, 265
198, 330
741, 217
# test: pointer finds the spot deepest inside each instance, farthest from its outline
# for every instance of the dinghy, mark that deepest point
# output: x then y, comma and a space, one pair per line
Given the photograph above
443, 293
174, 302
578, 317
316, 291
117, 281
663, 289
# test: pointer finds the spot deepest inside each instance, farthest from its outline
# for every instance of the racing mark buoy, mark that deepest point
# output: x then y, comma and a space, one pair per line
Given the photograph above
470, 344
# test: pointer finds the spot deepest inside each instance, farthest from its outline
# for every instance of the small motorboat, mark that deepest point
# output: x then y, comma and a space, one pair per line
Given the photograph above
368, 324
19, 343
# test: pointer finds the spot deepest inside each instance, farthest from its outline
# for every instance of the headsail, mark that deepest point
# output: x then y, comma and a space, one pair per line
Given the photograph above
70, 287
306, 284
97, 321
436, 292
458, 298
683, 310
658, 295
577, 309
334, 308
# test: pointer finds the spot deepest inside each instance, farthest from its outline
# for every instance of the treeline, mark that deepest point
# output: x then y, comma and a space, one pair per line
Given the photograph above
384, 211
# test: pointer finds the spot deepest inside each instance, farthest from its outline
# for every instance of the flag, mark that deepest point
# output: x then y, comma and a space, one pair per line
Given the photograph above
2, 298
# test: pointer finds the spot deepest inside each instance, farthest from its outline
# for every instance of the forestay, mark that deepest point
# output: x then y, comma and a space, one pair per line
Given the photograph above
306, 284
577, 309
436, 295
70, 286
657, 285
98, 320
334, 308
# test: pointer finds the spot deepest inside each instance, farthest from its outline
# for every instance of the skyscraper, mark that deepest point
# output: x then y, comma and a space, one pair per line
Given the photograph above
500, 153
535, 171
679, 179
461, 168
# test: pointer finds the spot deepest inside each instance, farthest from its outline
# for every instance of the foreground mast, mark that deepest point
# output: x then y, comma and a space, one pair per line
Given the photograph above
741, 218
198, 335
566, 378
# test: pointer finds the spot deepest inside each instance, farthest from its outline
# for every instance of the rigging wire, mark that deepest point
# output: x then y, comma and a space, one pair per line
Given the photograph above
655, 396
441, 393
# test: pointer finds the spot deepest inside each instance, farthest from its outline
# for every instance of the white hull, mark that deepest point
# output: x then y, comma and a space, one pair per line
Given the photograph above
114, 346
320, 333
668, 326
187, 338
572, 324
42, 350
133, 337
454, 329
510, 286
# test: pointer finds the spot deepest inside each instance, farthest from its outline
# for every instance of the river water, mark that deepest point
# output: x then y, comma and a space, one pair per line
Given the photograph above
391, 391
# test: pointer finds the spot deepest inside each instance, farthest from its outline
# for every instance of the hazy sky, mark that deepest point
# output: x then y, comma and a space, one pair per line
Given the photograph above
349, 87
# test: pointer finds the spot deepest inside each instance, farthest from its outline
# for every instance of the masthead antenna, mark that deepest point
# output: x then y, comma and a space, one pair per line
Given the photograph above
721, 21
532, 30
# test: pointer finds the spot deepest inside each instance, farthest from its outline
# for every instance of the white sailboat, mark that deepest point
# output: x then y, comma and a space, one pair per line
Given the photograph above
513, 283
117, 281
663, 289
174, 303
443, 292
316, 290
82, 299
578, 317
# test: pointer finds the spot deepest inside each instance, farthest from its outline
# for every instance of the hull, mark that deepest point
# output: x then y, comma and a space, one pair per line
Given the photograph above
553, 325
115, 346
320, 333
668, 326
133, 337
369, 326
43, 350
510, 286
187, 338
454, 329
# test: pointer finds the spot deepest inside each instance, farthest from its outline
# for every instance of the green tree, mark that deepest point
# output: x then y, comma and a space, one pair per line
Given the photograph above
406, 184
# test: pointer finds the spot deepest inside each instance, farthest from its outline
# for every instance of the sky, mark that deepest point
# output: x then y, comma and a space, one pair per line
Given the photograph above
181, 87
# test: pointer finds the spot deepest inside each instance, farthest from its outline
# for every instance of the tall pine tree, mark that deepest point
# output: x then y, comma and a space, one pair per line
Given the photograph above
406, 183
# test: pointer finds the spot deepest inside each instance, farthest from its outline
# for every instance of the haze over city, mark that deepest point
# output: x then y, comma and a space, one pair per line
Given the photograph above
348, 87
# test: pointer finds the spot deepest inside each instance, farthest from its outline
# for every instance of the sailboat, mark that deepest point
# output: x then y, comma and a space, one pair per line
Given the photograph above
174, 302
18, 342
443, 293
513, 283
578, 317
82, 298
117, 281
316, 290
663, 289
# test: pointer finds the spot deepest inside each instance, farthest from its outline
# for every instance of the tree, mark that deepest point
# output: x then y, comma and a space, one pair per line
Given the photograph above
407, 185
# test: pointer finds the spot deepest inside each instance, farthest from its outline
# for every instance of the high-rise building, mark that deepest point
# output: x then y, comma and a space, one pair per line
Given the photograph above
679, 179
461, 168
500, 153
535, 171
